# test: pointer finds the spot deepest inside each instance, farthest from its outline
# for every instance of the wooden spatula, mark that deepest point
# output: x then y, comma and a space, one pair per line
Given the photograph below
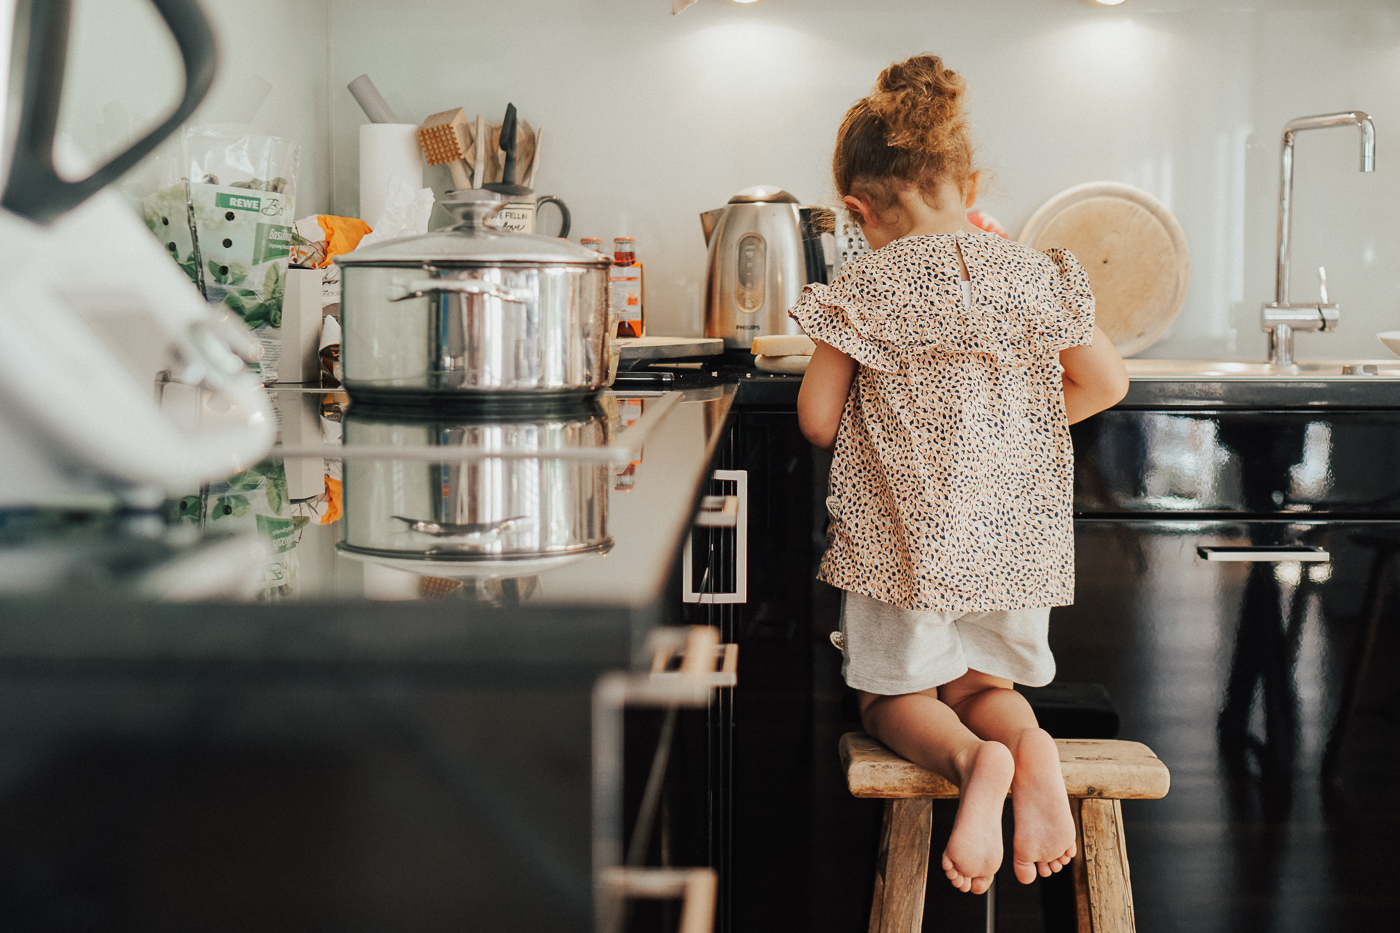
479, 163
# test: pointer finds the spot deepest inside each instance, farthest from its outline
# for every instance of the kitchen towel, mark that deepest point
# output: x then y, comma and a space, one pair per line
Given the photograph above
388, 151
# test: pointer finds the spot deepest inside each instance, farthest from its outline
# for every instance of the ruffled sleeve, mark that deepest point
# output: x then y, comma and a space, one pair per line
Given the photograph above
1069, 309
835, 314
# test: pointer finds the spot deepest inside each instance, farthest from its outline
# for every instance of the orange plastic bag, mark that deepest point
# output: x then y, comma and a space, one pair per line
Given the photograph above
343, 234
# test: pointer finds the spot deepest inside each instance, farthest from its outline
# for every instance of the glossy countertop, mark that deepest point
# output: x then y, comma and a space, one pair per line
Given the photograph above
1185, 384
255, 568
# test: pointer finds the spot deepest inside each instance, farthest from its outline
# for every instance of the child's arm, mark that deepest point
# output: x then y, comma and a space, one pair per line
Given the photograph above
1095, 377
822, 398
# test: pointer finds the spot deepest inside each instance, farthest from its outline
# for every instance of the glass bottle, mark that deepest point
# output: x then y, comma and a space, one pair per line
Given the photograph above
625, 301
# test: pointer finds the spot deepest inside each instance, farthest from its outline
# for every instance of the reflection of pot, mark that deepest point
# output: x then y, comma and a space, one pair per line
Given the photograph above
473, 312
520, 508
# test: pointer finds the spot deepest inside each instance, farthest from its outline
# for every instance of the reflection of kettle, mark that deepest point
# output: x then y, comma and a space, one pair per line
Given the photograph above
91, 308
763, 249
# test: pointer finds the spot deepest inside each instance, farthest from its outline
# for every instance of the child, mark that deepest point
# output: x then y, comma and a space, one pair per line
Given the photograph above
949, 365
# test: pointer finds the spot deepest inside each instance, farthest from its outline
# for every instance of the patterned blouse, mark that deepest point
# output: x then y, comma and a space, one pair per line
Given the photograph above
952, 475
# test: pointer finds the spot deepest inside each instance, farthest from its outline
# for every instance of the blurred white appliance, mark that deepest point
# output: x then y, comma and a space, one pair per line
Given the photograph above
89, 300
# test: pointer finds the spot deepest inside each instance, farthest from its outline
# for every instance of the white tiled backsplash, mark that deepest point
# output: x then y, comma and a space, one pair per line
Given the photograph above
651, 119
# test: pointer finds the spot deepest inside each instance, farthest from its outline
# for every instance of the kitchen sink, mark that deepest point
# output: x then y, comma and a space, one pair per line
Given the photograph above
1248, 371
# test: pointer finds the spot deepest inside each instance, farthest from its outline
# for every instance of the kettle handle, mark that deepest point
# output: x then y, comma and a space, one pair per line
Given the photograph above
35, 189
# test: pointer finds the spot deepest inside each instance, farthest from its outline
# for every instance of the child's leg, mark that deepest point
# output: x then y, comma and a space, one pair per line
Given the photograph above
1044, 840
926, 731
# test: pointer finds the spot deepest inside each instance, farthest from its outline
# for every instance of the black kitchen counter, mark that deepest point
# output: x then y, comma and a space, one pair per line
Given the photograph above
760, 389
1293, 393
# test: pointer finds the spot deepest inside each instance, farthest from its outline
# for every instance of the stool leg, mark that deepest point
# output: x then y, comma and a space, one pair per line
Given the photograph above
901, 873
1105, 857
1083, 921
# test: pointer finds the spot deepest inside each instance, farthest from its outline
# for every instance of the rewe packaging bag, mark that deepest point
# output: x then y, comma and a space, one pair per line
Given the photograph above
225, 214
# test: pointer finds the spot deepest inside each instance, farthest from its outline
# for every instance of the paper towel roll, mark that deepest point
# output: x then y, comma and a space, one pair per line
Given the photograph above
387, 150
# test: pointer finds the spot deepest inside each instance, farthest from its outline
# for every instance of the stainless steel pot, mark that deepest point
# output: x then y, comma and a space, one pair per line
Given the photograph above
473, 312
528, 507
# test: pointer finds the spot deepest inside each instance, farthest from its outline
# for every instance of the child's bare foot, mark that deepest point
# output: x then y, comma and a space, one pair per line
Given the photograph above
1044, 840
974, 850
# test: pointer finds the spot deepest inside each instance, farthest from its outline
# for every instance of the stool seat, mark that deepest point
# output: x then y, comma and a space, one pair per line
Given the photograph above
1098, 774
1108, 768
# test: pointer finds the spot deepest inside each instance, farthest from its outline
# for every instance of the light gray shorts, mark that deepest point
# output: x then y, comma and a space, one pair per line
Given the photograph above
890, 650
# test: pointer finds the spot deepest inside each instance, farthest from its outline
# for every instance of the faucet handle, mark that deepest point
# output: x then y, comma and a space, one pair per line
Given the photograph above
1330, 313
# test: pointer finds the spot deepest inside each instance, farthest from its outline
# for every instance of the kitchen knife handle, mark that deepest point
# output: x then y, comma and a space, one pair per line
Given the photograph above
460, 287
35, 189
508, 146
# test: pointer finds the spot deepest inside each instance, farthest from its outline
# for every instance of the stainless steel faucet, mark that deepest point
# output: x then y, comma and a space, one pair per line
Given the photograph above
1281, 319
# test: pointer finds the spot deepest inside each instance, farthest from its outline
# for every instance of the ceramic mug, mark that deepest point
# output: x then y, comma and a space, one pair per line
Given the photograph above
519, 215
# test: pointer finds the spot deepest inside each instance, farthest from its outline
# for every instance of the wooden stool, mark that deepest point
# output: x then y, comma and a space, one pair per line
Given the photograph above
1098, 774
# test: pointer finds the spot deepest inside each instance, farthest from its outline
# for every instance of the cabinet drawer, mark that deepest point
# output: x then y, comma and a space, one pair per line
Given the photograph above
1248, 462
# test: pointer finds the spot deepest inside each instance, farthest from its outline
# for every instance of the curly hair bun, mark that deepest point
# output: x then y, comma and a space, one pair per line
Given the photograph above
920, 103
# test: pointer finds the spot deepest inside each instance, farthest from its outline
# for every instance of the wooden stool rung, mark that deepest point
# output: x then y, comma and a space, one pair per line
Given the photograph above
1108, 768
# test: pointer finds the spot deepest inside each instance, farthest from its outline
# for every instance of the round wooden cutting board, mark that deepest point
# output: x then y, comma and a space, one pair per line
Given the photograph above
1133, 250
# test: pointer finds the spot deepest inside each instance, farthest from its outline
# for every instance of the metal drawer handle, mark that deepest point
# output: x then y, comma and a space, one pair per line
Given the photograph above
460, 287
700, 656
695, 886
718, 512
1265, 553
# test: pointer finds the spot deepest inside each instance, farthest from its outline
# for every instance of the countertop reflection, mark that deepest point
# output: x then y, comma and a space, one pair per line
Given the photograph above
584, 505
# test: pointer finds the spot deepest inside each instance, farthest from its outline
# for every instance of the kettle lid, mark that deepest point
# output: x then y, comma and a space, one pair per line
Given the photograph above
763, 194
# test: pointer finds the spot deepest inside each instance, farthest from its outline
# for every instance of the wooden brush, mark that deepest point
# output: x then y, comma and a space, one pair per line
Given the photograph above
444, 138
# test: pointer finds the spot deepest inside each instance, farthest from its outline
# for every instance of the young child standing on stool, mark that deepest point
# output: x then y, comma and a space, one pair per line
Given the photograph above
949, 365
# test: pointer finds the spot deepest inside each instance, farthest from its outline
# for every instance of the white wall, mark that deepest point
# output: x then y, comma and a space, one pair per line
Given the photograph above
651, 119
124, 77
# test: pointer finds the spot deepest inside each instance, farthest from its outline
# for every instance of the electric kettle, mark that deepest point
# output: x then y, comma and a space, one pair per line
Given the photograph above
88, 300
764, 247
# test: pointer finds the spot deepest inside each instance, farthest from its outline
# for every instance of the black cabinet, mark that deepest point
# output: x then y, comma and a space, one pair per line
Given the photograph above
795, 850
1236, 672
1245, 675
176, 797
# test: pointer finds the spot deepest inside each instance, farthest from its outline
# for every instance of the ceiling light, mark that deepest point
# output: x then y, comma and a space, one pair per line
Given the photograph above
1109, 2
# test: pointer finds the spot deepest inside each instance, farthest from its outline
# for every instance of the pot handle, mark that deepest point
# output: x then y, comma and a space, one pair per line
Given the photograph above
467, 534
460, 287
